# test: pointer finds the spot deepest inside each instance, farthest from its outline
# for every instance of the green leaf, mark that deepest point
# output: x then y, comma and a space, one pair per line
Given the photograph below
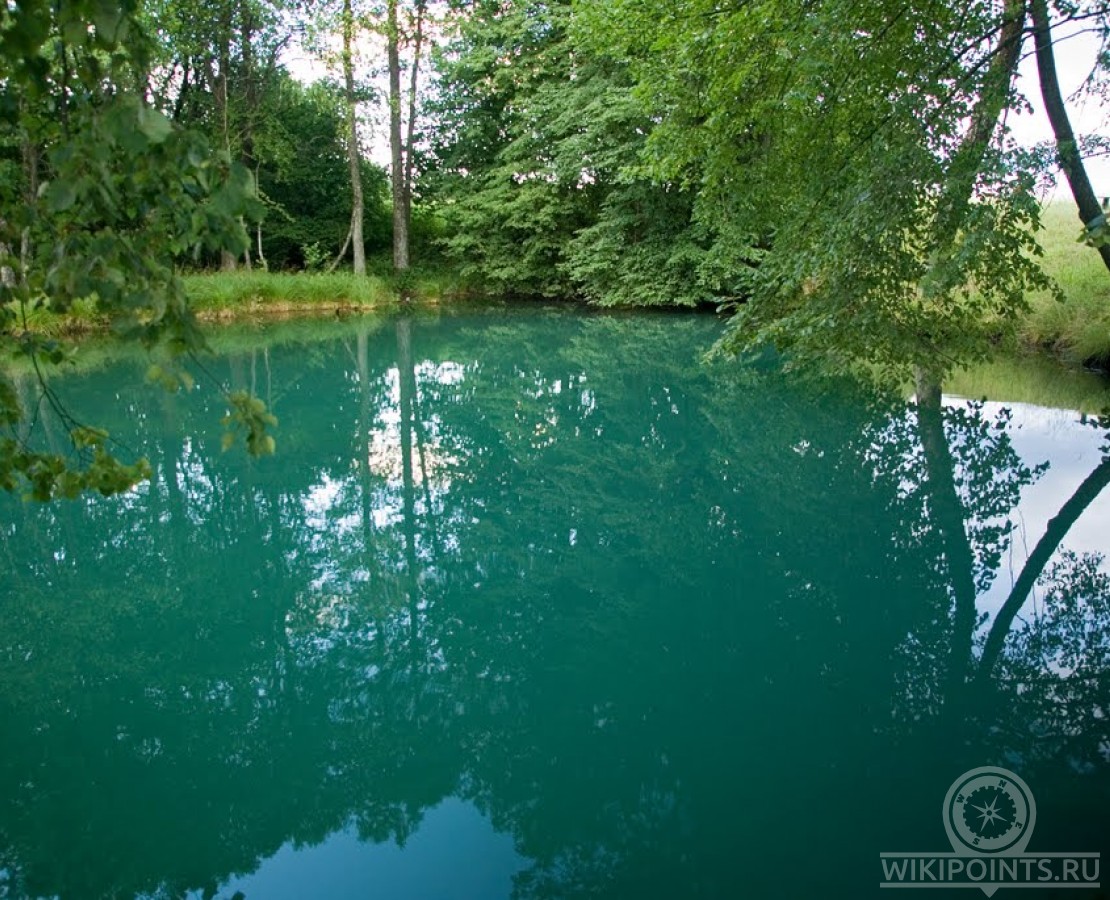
60, 195
155, 126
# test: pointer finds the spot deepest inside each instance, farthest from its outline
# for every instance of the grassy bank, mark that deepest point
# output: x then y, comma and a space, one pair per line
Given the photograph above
228, 293
1077, 330
235, 294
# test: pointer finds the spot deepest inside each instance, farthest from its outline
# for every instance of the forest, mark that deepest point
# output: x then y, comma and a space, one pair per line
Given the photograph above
838, 177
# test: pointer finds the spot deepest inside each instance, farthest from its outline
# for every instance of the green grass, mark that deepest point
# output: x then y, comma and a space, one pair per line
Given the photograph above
231, 293
265, 291
1078, 329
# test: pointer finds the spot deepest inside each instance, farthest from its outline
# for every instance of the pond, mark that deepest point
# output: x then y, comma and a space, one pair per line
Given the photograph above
543, 604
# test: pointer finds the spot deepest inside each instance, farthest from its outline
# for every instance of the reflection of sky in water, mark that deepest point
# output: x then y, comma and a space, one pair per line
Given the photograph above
455, 853
1072, 449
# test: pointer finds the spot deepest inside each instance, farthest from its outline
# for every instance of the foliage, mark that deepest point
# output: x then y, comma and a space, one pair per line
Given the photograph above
305, 180
535, 167
847, 152
110, 196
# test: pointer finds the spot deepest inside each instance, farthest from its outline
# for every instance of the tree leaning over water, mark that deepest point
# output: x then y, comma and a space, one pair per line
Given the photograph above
890, 216
860, 150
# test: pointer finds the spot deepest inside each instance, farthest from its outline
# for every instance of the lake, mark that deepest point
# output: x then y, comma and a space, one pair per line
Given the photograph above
542, 604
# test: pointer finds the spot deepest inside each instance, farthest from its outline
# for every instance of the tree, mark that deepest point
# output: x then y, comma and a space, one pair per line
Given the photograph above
306, 182
354, 157
216, 70
536, 166
123, 195
1090, 211
402, 135
858, 152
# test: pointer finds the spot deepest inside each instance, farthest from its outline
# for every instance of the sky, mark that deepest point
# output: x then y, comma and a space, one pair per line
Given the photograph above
1075, 57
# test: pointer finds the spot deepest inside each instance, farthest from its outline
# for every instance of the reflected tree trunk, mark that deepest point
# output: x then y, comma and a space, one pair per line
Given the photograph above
366, 440
948, 515
1057, 530
171, 449
425, 480
406, 378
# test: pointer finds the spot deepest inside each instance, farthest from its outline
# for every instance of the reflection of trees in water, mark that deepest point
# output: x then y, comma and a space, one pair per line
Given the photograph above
1031, 680
589, 622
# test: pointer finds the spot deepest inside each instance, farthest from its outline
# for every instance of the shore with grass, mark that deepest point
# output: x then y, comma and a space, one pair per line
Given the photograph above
1077, 330
243, 294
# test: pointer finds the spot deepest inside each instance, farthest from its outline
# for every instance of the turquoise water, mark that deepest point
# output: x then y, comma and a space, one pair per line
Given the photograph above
540, 604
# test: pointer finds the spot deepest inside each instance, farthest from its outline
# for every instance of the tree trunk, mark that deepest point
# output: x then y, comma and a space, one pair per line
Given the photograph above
261, 256
31, 173
7, 274
1090, 212
997, 83
354, 158
222, 97
418, 44
406, 378
183, 94
397, 154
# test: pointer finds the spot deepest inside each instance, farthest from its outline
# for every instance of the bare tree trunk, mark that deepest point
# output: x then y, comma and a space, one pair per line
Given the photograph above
353, 157
343, 250
1090, 212
250, 102
397, 154
31, 172
7, 274
227, 260
261, 257
410, 138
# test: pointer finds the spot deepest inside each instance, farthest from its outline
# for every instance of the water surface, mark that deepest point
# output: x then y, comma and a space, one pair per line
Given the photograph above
540, 604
